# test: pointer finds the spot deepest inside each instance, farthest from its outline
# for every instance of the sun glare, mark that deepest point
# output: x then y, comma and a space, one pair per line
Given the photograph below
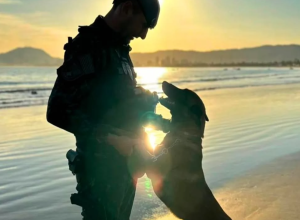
149, 77
161, 2
152, 138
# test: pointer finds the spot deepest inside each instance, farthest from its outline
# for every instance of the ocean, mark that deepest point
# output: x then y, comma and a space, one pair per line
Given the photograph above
254, 119
17, 85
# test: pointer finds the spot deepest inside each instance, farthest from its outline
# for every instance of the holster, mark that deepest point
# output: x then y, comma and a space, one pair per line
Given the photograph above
75, 161
79, 200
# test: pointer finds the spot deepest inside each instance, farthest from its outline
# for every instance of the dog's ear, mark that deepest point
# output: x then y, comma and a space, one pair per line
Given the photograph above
199, 112
196, 110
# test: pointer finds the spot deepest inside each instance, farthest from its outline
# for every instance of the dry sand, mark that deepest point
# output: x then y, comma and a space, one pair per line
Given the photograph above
270, 192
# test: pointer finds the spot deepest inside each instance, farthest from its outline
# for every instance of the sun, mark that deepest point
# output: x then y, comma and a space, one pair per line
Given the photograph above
161, 2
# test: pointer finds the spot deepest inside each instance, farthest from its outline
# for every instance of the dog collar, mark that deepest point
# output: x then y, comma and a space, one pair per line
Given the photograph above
164, 150
195, 139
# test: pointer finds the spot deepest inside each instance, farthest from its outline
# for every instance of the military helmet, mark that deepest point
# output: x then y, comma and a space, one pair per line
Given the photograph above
150, 9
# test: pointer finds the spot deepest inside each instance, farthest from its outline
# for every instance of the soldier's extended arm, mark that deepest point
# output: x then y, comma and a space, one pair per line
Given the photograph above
125, 145
81, 77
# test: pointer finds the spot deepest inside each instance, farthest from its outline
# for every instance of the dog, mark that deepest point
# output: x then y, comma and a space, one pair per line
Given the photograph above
176, 167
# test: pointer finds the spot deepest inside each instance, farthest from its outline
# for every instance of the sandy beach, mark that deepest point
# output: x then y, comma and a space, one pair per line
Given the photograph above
271, 191
250, 159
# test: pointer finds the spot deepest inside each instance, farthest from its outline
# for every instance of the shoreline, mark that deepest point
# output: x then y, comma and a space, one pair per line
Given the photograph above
136, 66
287, 85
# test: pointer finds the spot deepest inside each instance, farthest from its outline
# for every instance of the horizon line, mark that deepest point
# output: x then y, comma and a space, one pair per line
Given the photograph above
197, 51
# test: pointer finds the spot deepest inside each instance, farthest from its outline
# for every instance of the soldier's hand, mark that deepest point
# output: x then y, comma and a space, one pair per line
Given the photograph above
126, 145
142, 91
123, 144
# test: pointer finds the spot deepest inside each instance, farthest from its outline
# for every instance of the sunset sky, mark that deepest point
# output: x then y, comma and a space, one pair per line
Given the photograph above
187, 25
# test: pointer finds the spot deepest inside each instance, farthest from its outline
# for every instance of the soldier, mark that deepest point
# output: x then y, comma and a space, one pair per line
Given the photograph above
95, 95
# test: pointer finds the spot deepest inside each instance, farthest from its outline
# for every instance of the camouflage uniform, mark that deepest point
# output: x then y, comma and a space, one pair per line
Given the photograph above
92, 90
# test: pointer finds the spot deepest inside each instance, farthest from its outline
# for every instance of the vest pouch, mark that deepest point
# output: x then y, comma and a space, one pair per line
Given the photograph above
75, 68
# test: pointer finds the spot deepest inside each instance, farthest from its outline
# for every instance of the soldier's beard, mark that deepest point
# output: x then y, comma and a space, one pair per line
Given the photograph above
127, 40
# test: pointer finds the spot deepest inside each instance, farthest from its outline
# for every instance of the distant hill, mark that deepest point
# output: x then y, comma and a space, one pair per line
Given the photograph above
263, 54
28, 56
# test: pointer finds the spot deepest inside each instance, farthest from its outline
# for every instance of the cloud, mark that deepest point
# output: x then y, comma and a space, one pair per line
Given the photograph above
16, 32
9, 2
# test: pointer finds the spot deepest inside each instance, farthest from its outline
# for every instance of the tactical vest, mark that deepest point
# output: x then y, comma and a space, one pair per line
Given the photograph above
94, 77
110, 73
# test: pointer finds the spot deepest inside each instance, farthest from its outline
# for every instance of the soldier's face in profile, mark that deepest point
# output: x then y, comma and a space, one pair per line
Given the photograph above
135, 24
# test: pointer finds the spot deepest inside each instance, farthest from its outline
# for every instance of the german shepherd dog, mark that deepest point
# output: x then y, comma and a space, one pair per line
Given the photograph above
176, 169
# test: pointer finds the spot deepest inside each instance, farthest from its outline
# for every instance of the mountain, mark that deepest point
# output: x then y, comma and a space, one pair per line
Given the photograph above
28, 56
263, 54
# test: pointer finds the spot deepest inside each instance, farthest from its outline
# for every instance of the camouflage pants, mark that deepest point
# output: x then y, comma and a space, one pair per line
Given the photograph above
105, 187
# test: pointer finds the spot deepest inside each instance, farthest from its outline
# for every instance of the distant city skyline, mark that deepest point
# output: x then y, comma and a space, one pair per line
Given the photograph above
201, 25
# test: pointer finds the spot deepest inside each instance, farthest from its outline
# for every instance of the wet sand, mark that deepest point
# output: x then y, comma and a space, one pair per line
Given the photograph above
249, 128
